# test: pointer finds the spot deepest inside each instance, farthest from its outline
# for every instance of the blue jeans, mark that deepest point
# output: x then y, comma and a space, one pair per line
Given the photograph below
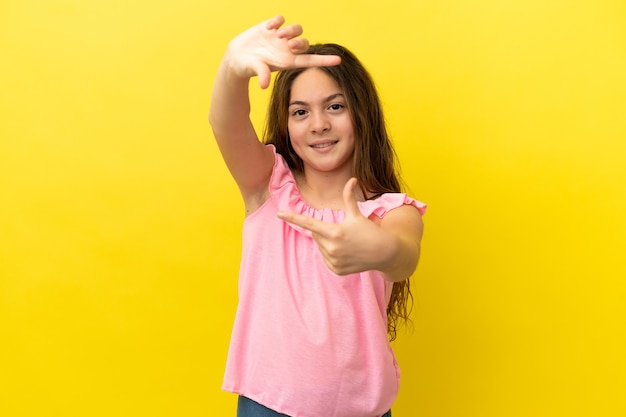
248, 408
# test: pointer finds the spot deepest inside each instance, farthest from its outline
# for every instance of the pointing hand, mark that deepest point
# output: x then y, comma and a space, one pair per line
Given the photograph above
348, 247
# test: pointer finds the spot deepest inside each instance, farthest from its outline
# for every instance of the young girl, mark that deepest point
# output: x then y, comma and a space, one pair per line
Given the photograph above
329, 242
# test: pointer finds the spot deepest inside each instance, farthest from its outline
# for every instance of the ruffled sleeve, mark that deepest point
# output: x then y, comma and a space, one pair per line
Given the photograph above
389, 201
284, 190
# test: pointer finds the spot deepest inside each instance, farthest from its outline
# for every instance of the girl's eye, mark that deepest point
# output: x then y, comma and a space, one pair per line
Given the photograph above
299, 112
336, 106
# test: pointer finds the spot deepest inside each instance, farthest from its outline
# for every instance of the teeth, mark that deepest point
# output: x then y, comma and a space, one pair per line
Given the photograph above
323, 145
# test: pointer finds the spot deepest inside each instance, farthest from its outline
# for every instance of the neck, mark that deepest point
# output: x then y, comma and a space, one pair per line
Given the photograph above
323, 190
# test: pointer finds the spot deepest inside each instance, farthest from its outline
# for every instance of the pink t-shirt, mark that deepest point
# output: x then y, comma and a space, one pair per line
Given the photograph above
307, 342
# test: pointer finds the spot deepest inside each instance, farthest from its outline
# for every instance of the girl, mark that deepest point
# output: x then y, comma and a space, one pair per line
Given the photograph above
329, 242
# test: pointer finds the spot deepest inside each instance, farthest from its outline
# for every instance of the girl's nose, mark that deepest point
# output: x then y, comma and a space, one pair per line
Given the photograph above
319, 123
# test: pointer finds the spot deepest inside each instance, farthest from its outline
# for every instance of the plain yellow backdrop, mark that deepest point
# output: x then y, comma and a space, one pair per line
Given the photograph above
120, 226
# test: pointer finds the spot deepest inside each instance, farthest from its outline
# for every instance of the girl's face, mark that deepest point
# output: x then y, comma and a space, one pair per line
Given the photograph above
319, 123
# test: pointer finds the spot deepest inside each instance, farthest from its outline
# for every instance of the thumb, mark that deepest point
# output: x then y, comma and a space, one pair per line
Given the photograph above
263, 72
349, 198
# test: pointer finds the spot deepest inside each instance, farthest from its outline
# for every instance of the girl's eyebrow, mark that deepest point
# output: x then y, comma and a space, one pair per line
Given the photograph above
326, 100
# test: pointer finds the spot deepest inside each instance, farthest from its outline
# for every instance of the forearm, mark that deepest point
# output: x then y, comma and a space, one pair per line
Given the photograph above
399, 258
400, 243
229, 114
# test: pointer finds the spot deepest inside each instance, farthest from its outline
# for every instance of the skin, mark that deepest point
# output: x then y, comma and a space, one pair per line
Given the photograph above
391, 244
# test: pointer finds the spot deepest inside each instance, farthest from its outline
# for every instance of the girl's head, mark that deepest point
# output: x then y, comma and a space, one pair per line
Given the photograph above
373, 161
374, 158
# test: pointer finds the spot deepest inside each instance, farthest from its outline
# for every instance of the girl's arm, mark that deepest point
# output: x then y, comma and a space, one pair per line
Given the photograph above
404, 228
258, 51
248, 160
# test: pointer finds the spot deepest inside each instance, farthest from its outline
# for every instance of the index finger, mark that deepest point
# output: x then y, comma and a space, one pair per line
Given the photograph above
308, 223
314, 60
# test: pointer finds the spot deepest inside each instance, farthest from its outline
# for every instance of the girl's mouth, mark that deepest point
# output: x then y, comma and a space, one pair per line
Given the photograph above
324, 145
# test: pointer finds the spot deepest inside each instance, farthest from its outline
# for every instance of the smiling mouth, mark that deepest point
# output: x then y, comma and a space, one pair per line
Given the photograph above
324, 145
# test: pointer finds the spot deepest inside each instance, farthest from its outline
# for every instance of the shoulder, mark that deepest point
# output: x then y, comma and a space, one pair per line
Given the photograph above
404, 216
398, 213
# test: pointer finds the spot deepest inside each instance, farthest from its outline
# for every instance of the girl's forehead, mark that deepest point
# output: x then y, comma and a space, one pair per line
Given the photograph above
314, 83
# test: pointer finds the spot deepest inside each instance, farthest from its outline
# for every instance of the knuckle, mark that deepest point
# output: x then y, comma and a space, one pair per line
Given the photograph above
334, 253
336, 234
337, 265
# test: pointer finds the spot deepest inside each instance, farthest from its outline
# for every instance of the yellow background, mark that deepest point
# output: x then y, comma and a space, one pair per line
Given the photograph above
120, 227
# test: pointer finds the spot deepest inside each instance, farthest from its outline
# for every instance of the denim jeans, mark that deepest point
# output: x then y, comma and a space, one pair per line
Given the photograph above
248, 408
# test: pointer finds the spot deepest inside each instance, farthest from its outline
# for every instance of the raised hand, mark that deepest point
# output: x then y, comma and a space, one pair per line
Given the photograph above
358, 244
269, 47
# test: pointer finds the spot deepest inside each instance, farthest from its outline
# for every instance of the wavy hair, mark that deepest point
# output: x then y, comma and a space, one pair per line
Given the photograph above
374, 159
